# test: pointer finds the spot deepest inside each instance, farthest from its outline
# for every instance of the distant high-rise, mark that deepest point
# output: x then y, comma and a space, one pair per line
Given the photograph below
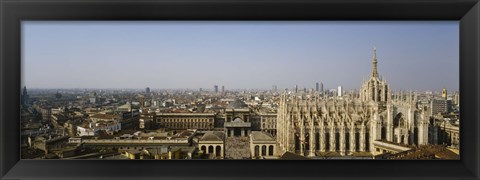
305, 89
24, 97
317, 86
321, 87
444, 93
215, 88
456, 98
223, 89
438, 106
274, 88
339, 91
200, 89
296, 88
147, 90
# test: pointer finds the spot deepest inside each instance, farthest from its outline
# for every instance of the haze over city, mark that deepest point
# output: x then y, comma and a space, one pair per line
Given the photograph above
169, 90
168, 54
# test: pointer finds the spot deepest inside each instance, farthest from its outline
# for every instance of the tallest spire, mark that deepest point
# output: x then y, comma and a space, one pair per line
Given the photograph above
374, 63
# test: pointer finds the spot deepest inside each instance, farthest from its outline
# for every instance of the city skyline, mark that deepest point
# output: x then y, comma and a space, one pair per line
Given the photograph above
238, 55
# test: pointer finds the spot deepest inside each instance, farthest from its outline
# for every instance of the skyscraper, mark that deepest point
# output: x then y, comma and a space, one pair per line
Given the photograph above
24, 97
274, 88
215, 88
223, 89
321, 87
444, 93
317, 87
339, 91
147, 90
296, 88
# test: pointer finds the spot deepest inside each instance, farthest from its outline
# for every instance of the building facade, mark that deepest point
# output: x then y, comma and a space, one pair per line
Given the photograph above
201, 121
311, 126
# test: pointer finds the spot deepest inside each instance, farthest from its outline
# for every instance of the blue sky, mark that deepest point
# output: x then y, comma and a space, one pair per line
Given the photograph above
419, 55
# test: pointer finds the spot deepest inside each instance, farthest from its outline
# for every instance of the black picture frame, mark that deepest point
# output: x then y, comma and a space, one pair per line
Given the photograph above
12, 12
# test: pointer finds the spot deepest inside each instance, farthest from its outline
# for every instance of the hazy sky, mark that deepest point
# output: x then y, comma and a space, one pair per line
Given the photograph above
416, 55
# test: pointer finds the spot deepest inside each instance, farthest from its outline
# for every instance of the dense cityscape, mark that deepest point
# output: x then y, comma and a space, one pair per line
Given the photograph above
312, 122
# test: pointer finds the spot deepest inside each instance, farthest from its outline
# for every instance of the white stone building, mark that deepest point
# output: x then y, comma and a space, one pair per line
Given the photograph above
350, 125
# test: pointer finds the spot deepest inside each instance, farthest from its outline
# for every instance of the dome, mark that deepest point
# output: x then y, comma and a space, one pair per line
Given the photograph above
237, 104
237, 120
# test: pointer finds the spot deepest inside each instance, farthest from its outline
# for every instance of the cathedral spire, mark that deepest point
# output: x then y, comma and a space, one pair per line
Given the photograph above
374, 63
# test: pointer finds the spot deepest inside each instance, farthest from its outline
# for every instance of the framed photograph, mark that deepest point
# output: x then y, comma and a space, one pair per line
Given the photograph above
239, 89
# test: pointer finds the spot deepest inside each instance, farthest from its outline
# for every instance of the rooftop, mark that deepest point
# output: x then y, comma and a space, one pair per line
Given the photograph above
141, 135
104, 116
213, 136
237, 104
261, 136
293, 156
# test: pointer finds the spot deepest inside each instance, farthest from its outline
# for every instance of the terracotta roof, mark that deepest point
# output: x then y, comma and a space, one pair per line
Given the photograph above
184, 134
104, 116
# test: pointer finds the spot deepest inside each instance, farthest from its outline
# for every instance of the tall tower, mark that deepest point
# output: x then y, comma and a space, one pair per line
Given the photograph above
24, 97
215, 88
375, 89
321, 87
444, 93
317, 88
374, 63
340, 91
